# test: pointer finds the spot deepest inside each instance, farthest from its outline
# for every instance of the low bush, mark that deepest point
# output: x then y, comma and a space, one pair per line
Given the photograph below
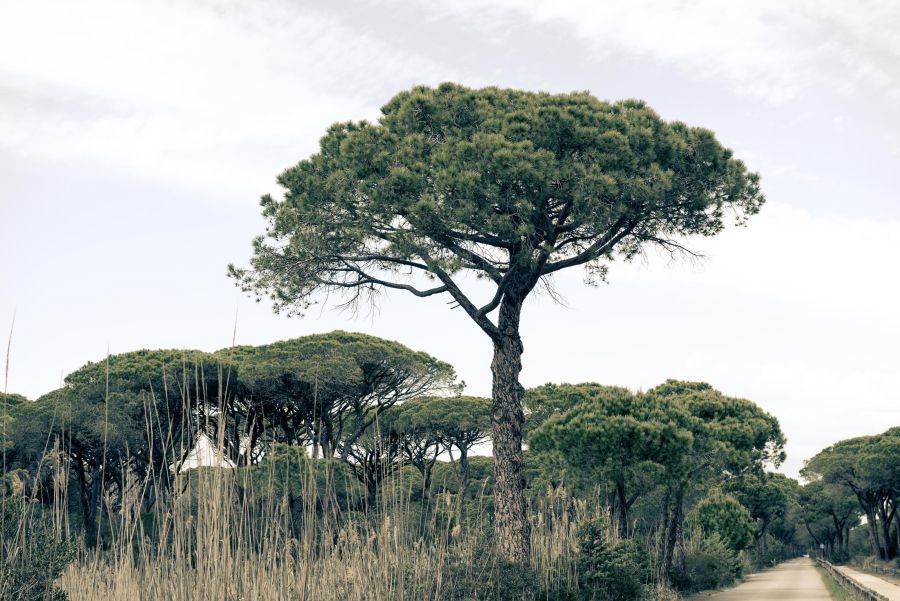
773, 553
708, 563
32, 556
478, 574
611, 570
722, 514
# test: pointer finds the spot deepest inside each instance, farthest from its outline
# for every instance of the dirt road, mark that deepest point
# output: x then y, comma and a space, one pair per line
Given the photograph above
796, 579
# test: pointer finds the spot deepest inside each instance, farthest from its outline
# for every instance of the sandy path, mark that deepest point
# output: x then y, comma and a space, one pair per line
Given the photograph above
797, 579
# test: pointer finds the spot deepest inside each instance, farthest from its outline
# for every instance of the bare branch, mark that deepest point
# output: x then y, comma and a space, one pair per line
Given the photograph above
386, 259
483, 322
619, 230
366, 279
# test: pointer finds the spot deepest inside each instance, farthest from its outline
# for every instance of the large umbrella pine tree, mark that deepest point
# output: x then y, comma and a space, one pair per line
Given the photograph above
511, 185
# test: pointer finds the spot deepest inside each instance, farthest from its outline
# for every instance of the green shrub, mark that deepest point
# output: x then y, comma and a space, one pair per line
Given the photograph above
775, 552
723, 515
479, 574
31, 555
611, 570
708, 563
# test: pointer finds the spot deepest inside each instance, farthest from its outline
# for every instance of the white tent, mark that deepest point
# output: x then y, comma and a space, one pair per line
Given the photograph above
204, 454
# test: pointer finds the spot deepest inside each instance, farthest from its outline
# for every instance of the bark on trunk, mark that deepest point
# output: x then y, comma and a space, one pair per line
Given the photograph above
885, 517
663, 523
873, 531
672, 533
761, 539
87, 506
507, 418
839, 534
886, 534
314, 436
812, 534
623, 509
426, 483
897, 528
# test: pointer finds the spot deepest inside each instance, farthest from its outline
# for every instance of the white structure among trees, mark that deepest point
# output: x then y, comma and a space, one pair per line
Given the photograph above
204, 454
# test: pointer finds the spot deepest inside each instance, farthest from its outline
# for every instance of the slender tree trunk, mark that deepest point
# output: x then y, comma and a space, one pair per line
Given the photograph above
426, 483
428, 474
892, 514
464, 467
622, 502
812, 534
463, 484
672, 532
507, 419
328, 442
371, 491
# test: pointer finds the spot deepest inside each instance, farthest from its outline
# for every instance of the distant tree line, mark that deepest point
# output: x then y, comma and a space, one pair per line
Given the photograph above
680, 456
123, 425
851, 480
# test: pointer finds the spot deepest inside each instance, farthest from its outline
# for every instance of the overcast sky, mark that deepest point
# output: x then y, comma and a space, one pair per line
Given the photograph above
137, 136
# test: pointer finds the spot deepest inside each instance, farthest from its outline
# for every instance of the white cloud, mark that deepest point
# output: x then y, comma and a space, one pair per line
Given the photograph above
767, 48
218, 93
836, 263
198, 93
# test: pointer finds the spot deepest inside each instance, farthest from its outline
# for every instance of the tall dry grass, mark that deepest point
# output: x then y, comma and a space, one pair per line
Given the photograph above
244, 535
230, 537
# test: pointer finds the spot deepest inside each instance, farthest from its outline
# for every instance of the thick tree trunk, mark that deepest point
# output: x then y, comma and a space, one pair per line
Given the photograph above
89, 496
839, 536
873, 531
885, 517
663, 523
761, 539
507, 419
897, 528
888, 542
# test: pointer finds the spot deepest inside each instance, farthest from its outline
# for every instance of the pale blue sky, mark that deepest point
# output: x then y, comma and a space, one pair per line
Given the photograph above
137, 136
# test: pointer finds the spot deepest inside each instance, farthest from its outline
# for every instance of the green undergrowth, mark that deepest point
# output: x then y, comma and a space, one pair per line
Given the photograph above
837, 592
